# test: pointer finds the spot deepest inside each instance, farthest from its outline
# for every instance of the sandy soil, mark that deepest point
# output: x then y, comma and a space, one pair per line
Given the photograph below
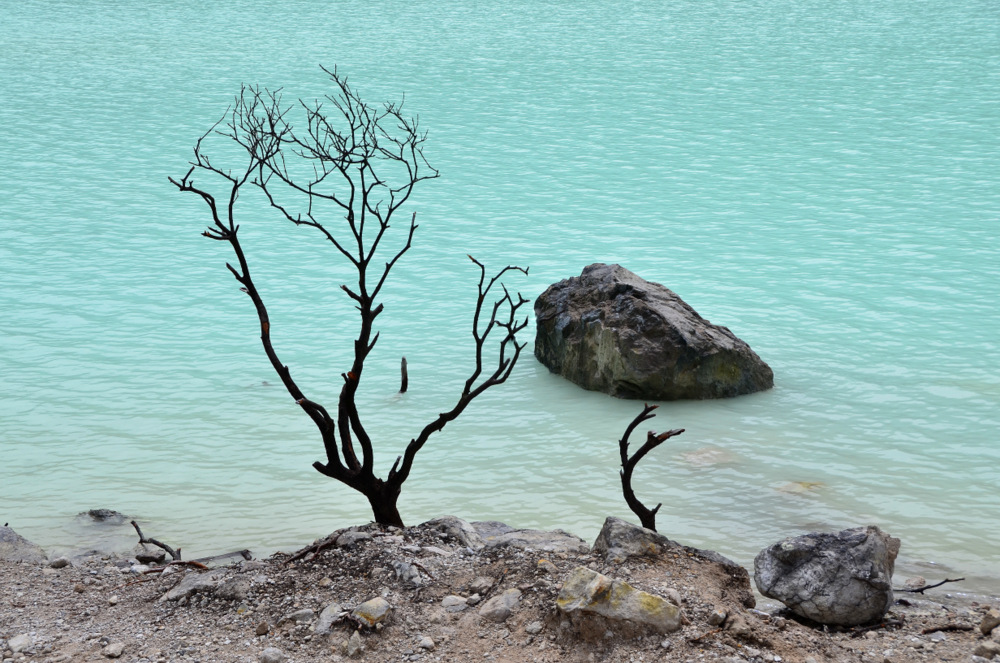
104, 607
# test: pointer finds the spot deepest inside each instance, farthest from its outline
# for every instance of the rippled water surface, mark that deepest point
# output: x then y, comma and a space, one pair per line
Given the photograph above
821, 177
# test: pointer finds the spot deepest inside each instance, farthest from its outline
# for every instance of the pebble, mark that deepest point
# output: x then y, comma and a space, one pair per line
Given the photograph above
453, 603
354, 647
987, 649
272, 655
114, 650
263, 628
113, 600
59, 563
717, 617
990, 621
426, 643
533, 628
19, 643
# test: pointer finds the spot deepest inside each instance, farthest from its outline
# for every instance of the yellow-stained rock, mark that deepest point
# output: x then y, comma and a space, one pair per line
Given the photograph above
587, 591
371, 612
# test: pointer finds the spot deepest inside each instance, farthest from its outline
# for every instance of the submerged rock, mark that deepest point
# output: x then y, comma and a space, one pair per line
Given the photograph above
842, 578
610, 330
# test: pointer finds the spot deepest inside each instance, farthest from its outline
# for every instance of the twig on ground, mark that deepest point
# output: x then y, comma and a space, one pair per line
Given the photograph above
704, 635
947, 627
424, 569
314, 548
194, 564
921, 590
859, 631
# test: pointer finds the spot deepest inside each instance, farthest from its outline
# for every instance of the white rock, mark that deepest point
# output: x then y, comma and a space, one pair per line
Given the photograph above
426, 643
272, 655
19, 643
114, 650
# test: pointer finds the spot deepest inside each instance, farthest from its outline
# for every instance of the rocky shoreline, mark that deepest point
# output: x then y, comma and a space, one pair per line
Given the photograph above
448, 590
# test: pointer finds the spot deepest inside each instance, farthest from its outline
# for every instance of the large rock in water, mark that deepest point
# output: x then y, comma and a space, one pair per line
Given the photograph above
612, 331
843, 578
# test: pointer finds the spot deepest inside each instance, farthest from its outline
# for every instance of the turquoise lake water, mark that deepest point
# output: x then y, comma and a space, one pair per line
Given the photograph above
821, 177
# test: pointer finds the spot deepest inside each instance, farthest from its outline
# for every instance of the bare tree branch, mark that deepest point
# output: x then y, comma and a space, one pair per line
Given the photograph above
646, 515
359, 163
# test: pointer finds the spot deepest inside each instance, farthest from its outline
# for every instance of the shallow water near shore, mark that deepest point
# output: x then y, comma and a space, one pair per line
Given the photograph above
822, 178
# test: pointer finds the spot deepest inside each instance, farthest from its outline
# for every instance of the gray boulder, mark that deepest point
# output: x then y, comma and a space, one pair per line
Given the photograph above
456, 528
609, 330
192, 583
497, 535
16, 548
843, 578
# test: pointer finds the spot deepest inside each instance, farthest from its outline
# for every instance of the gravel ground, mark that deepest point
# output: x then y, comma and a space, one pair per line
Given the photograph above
103, 607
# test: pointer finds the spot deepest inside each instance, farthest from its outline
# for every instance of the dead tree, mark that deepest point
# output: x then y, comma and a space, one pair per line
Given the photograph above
357, 163
647, 517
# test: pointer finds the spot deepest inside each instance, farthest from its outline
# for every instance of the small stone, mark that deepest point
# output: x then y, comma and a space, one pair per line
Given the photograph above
673, 596
474, 599
113, 600
354, 647
426, 643
481, 584
325, 581
234, 589
988, 649
990, 621
298, 617
534, 628
371, 612
351, 538
79, 589
499, 608
548, 567
114, 650
263, 628
272, 655
938, 637
453, 603
717, 617
915, 583
19, 643
330, 615
59, 563
739, 627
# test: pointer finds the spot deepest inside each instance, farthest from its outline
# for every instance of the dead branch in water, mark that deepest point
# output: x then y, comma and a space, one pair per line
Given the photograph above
646, 516
174, 554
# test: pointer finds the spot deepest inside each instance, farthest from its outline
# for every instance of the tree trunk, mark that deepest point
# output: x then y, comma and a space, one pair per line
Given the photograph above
383, 503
